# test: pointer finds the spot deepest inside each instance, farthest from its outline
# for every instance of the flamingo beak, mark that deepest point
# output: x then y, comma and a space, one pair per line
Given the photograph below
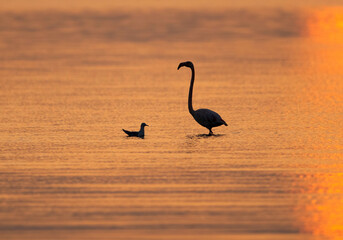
180, 65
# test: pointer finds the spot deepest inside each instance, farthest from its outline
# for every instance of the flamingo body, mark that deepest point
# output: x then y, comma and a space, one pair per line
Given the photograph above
208, 118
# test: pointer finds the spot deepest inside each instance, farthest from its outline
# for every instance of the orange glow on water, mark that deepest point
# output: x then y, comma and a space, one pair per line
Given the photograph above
326, 24
324, 27
324, 210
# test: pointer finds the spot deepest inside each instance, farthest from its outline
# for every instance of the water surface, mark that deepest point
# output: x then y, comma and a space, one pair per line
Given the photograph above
70, 81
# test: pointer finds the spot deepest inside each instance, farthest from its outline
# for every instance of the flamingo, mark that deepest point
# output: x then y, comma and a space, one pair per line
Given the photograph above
205, 117
140, 133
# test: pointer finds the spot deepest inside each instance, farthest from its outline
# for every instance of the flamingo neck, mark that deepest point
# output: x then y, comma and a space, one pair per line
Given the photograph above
190, 94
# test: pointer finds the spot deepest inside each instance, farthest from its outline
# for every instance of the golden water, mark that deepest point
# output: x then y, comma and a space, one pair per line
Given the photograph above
71, 81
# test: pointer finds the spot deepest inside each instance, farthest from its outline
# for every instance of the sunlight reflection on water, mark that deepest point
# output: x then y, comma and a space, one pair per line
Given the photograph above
71, 81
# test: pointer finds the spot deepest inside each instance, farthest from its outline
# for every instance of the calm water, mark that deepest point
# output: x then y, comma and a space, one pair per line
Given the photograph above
70, 81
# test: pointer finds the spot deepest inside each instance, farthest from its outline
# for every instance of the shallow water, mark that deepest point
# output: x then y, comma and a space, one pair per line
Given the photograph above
71, 81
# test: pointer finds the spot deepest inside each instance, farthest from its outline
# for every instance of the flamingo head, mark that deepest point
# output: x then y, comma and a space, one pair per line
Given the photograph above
185, 64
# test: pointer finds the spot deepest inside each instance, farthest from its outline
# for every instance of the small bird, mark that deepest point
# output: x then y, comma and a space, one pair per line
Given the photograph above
136, 134
205, 117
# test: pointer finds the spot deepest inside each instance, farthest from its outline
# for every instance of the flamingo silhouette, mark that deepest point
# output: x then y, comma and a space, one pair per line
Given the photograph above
205, 117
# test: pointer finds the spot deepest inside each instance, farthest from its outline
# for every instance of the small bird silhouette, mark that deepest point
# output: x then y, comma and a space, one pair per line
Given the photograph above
140, 133
205, 117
